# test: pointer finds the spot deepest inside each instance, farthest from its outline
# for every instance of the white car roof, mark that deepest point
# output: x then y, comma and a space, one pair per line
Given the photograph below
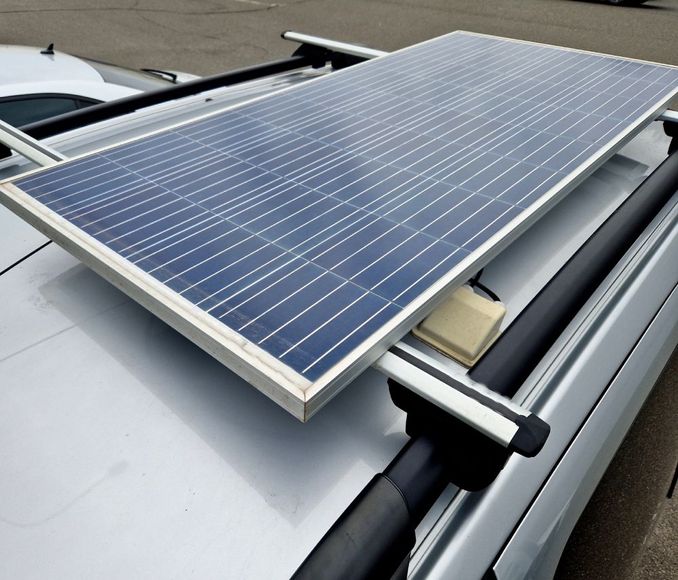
25, 64
25, 71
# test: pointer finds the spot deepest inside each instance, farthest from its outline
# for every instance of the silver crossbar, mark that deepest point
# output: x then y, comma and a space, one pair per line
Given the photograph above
344, 47
28, 147
458, 395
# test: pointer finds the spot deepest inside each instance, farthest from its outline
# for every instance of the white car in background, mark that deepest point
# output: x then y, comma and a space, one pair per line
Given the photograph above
36, 84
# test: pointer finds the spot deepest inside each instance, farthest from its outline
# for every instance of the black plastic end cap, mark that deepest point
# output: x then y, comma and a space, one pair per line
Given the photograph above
531, 436
671, 128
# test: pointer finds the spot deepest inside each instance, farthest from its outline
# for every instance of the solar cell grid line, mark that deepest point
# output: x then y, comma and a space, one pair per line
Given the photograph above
383, 83
296, 236
488, 82
168, 241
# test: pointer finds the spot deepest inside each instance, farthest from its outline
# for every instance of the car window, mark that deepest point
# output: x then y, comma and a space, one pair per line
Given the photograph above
25, 109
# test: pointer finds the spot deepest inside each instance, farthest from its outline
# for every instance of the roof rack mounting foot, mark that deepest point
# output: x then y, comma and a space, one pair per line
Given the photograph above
471, 460
452, 395
319, 56
670, 119
375, 534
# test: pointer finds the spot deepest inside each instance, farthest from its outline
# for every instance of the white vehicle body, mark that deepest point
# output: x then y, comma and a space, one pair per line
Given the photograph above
127, 452
29, 74
25, 70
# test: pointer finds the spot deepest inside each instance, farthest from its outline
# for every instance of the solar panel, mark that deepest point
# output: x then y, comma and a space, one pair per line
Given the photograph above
297, 236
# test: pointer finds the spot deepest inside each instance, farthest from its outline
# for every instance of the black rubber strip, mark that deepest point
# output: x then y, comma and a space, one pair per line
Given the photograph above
368, 541
8, 268
514, 355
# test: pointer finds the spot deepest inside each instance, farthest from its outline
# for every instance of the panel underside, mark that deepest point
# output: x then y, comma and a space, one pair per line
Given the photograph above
297, 236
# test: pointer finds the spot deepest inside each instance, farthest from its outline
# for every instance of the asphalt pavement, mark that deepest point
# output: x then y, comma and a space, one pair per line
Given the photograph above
208, 36
630, 530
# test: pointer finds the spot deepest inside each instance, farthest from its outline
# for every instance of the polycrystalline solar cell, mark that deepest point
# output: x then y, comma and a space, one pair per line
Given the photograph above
315, 221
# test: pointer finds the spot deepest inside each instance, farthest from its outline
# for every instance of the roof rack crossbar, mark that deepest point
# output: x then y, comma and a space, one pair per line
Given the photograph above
362, 52
668, 116
496, 417
25, 145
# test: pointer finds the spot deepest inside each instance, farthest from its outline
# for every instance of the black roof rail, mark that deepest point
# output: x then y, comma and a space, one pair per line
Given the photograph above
509, 361
313, 51
112, 109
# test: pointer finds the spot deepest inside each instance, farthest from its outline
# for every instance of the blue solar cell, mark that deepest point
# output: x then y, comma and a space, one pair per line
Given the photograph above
306, 221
